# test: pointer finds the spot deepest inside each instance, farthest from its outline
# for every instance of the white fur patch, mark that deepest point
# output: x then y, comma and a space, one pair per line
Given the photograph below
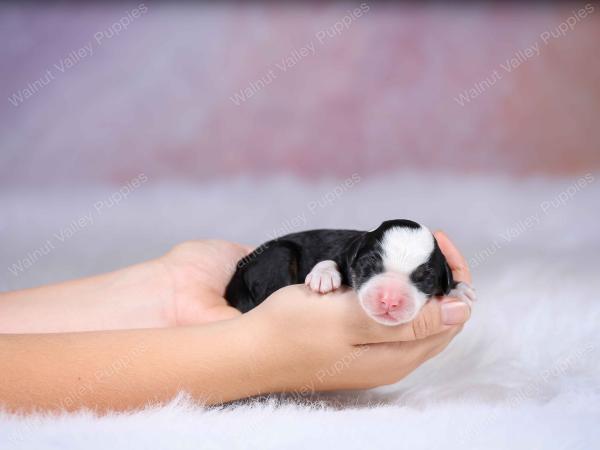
405, 249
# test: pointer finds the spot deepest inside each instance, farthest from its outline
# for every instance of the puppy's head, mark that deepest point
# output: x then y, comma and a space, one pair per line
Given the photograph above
395, 269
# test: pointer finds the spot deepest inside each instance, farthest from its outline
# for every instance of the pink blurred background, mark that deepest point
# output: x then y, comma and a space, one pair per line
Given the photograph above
379, 93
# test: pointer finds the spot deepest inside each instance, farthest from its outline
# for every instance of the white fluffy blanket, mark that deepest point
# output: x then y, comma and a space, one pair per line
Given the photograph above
524, 373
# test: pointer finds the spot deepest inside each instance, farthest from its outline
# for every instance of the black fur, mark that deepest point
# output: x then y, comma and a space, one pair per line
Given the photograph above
288, 259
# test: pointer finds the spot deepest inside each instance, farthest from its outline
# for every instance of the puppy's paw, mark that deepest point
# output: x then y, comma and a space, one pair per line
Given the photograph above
463, 291
324, 277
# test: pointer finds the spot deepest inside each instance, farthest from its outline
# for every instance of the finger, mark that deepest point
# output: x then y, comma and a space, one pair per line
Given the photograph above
434, 318
400, 358
456, 261
429, 347
243, 249
441, 345
239, 253
247, 248
463, 292
424, 347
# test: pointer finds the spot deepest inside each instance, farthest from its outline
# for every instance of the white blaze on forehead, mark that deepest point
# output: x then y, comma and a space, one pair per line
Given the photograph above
405, 249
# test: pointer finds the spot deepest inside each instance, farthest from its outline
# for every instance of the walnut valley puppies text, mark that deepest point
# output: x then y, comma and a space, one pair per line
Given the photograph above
544, 209
525, 54
300, 220
297, 54
77, 55
78, 224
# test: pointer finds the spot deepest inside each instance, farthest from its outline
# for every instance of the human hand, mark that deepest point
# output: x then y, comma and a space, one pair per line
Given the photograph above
183, 287
198, 273
456, 261
314, 342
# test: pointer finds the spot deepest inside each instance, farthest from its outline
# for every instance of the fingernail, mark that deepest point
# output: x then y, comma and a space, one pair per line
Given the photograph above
454, 313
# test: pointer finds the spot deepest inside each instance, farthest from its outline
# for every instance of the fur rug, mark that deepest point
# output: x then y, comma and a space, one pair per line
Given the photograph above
524, 373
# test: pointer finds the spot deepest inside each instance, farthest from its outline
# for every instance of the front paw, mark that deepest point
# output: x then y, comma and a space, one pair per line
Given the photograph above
324, 277
463, 291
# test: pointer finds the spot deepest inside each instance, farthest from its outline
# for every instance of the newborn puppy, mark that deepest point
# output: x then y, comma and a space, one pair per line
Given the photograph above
394, 269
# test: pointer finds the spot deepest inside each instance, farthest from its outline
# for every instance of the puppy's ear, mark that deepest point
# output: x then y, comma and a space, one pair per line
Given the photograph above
353, 248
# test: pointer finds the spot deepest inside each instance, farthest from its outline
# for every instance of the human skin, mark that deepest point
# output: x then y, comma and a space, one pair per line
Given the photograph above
158, 330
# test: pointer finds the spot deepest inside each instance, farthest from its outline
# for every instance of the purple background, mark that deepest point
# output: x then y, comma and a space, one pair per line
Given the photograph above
376, 97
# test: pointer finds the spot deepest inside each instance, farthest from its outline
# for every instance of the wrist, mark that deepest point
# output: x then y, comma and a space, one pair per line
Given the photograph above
263, 349
278, 353
149, 290
133, 297
242, 351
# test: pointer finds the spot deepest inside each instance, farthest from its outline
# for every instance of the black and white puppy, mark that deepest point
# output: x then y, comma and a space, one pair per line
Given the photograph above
395, 269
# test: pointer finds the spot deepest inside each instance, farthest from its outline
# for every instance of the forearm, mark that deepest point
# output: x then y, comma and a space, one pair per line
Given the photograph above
128, 369
133, 297
294, 341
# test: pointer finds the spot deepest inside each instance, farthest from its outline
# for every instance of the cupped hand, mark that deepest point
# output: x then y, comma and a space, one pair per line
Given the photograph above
198, 273
318, 342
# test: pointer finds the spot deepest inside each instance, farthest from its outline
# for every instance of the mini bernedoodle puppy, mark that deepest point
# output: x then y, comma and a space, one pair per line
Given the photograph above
395, 269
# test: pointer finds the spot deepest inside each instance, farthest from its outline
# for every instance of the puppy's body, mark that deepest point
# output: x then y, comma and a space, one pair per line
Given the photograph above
284, 261
394, 269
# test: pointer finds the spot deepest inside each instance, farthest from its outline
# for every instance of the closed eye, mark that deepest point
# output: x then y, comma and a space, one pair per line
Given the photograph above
424, 279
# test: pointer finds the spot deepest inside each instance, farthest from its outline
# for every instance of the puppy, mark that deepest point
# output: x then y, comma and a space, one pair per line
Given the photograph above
395, 269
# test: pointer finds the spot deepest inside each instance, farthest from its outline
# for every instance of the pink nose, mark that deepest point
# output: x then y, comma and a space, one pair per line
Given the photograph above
388, 298
392, 303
